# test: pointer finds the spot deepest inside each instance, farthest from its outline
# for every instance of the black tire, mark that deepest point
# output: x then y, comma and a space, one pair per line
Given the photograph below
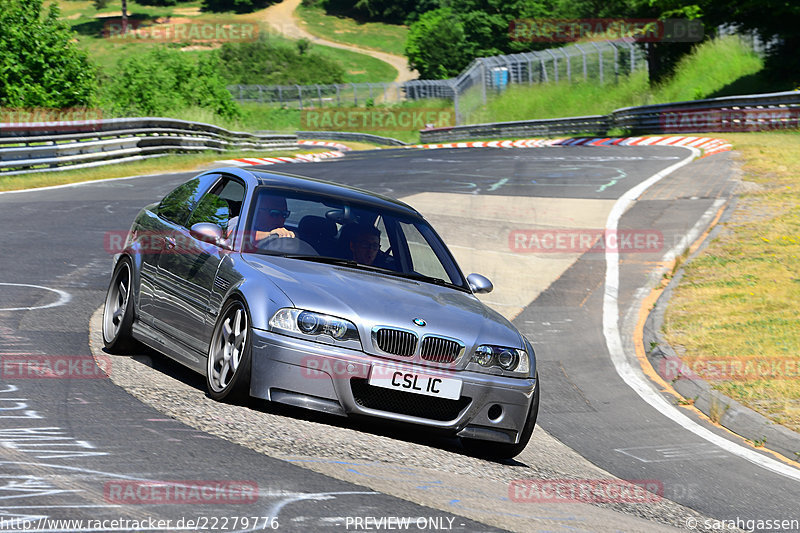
119, 310
500, 451
230, 354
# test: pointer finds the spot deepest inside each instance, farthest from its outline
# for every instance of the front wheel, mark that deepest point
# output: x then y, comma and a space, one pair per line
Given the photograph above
228, 372
502, 451
118, 312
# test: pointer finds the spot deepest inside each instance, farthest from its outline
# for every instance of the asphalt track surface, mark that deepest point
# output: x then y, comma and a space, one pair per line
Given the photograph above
65, 443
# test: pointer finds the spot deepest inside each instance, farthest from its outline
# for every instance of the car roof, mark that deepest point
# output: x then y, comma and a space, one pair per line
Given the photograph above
297, 183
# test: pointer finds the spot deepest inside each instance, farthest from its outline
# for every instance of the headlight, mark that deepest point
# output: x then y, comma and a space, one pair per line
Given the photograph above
309, 323
484, 356
508, 359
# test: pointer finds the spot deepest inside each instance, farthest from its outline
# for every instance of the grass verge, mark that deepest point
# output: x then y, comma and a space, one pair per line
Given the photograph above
158, 165
733, 318
359, 68
390, 38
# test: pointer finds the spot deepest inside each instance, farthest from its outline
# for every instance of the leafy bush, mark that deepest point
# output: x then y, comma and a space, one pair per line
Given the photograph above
164, 81
277, 62
40, 65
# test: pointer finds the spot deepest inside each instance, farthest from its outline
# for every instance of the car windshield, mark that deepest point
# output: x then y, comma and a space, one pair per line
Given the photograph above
318, 228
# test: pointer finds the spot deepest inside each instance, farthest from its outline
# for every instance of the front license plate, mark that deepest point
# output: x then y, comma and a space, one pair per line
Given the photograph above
414, 382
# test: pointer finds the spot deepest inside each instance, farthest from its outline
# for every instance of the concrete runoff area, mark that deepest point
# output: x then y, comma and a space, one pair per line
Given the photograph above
476, 228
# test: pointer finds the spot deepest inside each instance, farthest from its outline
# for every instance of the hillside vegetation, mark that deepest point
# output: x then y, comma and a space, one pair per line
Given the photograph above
468, 29
712, 69
98, 33
380, 36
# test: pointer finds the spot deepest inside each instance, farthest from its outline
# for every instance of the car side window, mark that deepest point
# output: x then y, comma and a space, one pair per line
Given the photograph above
177, 205
221, 205
423, 258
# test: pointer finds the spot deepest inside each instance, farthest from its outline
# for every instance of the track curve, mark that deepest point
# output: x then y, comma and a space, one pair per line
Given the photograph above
95, 431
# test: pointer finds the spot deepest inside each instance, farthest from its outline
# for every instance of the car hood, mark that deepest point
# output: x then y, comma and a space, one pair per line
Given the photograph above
371, 299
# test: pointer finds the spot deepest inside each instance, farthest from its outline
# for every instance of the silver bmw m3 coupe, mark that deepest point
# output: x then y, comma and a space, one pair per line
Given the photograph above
326, 297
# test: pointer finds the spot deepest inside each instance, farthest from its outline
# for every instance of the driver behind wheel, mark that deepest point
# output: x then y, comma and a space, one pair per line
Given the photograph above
270, 217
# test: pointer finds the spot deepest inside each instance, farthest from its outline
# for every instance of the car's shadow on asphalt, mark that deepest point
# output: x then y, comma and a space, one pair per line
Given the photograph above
148, 357
402, 432
397, 431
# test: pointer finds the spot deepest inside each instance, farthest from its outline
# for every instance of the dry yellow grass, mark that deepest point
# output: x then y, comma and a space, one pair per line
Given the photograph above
735, 314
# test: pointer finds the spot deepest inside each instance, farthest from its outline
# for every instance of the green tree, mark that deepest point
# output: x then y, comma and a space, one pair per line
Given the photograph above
776, 21
437, 45
485, 27
165, 81
40, 65
391, 11
102, 4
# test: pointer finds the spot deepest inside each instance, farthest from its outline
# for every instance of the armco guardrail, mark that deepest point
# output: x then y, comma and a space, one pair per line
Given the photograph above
757, 112
754, 112
55, 146
524, 128
349, 136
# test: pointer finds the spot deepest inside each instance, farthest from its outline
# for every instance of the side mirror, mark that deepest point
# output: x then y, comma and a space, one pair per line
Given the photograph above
479, 284
208, 232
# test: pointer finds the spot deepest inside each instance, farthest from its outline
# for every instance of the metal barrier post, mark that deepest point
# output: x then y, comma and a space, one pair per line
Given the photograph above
599, 60
569, 66
484, 81
616, 62
583, 53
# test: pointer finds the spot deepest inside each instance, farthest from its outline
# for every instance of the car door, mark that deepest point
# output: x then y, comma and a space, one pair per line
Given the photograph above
186, 274
171, 212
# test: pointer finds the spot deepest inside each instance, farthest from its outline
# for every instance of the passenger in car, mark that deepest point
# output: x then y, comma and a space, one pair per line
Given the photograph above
365, 243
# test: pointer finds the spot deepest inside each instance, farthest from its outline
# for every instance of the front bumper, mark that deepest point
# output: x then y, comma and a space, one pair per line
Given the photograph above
334, 380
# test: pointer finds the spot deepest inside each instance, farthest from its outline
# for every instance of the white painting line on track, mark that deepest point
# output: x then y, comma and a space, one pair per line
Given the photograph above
634, 376
63, 297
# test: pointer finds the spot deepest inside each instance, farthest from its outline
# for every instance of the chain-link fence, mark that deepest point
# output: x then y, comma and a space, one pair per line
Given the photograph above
600, 61
320, 95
